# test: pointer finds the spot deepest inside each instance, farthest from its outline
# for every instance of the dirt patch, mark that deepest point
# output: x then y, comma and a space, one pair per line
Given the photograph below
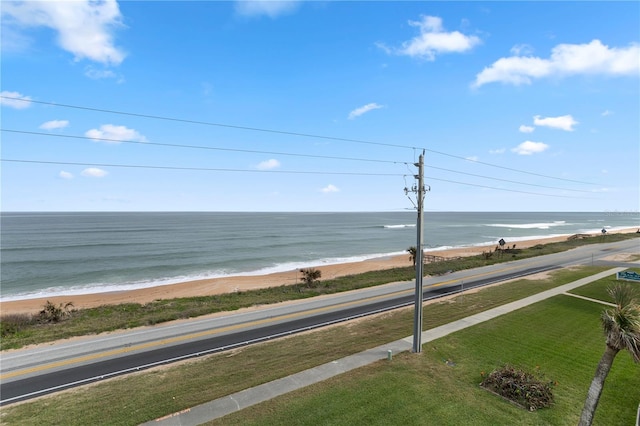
623, 257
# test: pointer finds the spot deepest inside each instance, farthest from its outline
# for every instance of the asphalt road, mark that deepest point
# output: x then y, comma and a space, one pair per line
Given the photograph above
29, 373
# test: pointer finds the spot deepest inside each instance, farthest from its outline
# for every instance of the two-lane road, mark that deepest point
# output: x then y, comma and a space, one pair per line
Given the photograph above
48, 368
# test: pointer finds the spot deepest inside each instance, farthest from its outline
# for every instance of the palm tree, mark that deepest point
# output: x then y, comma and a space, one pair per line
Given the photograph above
621, 326
412, 254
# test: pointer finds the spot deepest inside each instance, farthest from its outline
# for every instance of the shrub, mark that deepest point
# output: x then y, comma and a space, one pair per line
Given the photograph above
310, 276
53, 313
528, 390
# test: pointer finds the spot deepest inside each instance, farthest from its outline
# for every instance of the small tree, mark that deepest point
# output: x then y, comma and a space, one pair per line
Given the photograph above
310, 276
621, 326
487, 254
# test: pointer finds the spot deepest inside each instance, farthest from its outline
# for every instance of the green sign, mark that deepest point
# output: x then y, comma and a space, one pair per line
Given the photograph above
628, 276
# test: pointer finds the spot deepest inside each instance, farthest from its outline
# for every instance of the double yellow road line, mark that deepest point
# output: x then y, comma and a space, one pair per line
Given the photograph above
221, 330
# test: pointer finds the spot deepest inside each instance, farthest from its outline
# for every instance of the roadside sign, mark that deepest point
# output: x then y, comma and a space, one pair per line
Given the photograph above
628, 276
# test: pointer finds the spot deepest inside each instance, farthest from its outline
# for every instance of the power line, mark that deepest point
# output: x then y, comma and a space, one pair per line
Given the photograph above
281, 132
504, 180
502, 189
172, 145
509, 168
208, 123
210, 169
202, 169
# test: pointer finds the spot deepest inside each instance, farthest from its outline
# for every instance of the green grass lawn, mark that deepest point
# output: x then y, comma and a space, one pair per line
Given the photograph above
598, 289
560, 336
528, 337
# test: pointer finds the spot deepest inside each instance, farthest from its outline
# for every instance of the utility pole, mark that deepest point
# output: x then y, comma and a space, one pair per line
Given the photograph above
417, 320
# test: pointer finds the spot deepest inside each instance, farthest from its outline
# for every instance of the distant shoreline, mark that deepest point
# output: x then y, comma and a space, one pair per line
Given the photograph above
214, 286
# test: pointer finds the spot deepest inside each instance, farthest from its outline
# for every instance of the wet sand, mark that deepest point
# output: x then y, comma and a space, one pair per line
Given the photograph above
242, 283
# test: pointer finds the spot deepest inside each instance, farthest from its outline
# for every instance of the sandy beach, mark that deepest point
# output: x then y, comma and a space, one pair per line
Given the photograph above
243, 283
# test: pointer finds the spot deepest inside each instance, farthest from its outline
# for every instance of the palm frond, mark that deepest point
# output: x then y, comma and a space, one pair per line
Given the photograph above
623, 295
621, 324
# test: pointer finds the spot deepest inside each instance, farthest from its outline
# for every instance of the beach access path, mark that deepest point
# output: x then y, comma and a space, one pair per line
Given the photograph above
229, 404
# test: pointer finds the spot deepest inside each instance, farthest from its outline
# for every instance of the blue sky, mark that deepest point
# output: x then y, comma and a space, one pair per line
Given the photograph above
320, 106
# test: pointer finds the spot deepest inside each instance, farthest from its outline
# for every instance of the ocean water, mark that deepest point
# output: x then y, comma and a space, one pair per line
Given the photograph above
46, 254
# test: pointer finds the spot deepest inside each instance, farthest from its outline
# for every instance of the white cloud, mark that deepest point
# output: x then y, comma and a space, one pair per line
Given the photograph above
563, 122
433, 40
54, 124
515, 70
115, 134
330, 188
526, 129
84, 27
472, 158
363, 110
271, 8
606, 113
65, 175
96, 74
268, 165
15, 103
94, 172
497, 151
565, 59
529, 147
601, 190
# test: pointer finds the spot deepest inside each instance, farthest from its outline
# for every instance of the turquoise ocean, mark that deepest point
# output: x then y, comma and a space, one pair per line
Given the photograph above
47, 254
